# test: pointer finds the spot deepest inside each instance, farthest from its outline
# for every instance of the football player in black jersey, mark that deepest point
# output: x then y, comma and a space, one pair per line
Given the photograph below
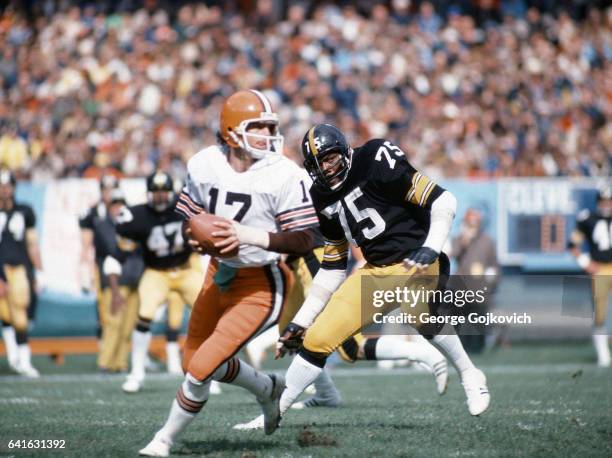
596, 229
98, 231
19, 246
400, 219
169, 266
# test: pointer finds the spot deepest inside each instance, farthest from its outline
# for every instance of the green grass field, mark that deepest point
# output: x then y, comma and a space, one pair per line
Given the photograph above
546, 400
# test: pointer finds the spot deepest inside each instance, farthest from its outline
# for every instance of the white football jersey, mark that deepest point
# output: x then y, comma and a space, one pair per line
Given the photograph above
271, 195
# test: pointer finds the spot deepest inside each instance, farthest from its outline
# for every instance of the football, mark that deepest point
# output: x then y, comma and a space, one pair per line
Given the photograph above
202, 227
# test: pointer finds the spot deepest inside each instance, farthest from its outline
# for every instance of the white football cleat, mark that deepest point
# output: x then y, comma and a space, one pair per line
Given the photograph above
157, 447
132, 384
440, 374
333, 399
28, 371
256, 423
310, 389
215, 388
475, 385
270, 406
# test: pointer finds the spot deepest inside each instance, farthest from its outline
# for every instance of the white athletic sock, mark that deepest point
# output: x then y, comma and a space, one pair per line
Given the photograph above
237, 372
451, 347
600, 341
300, 374
325, 386
173, 357
25, 356
140, 348
190, 399
389, 347
10, 343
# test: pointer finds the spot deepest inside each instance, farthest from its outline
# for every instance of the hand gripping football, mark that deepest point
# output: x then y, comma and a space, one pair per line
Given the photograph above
202, 228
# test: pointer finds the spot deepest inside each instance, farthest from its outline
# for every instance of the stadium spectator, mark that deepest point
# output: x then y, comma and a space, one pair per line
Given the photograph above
478, 88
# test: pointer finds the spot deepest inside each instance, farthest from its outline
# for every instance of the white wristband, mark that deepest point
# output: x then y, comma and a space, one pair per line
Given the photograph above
583, 260
255, 236
111, 266
324, 284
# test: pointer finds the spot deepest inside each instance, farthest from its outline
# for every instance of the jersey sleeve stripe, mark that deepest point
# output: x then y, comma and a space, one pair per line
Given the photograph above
185, 211
334, 265
297, 213
426, 192
185, 197
303, 207
303, 223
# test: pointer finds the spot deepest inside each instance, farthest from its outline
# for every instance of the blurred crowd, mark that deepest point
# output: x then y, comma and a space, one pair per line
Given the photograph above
474, 88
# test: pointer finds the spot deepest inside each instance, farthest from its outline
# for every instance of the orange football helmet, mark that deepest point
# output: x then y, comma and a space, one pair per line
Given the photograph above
242, 109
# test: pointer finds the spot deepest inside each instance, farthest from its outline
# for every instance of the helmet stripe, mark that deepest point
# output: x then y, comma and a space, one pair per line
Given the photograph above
311, 142
264, 100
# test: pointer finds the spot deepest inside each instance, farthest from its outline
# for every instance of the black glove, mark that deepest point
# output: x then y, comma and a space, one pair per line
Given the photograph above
422, 257
290, 340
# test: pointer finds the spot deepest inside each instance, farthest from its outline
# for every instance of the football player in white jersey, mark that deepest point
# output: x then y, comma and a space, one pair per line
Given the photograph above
247, 180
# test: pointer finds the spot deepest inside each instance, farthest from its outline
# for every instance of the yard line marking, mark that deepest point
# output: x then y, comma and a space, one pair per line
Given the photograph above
337, 372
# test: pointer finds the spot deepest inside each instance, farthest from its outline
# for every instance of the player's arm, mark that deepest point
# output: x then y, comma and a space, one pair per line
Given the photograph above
2, 280
396, 177
87, 262
442, 214
295, 217
188, 205
115, 256
32, 246
327, 280
577, 239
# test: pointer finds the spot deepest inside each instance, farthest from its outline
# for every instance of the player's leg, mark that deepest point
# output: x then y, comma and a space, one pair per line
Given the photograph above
18, 299
341, 319
8, 335
152, 291
217, 330
602, 286
110, 331
128, 322
176, 310
446, 340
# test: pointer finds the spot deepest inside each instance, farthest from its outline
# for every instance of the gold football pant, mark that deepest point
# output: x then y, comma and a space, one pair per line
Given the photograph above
602, 286
304, 270
14, 306
156, 285
344, 316
117, 330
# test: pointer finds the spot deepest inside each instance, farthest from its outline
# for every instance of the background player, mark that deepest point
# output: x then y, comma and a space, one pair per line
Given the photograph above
98, 232
596, 229
18, 247
400, 219
156, 228
245, 179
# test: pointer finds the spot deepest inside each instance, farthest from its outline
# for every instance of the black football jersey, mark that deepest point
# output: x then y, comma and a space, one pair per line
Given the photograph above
383, 207
14, 224
100, 223
158, 233
597, 229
